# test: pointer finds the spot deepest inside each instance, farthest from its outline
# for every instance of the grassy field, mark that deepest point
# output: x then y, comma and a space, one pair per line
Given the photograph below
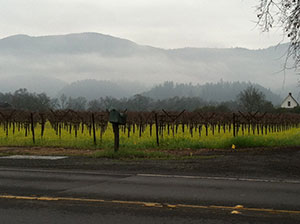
135, 143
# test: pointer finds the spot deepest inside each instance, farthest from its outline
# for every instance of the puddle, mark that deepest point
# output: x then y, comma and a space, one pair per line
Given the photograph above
34, 157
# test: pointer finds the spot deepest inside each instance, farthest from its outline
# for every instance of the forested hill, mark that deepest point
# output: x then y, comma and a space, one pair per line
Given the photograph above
215, 92
169, 96
210, 92
96, 56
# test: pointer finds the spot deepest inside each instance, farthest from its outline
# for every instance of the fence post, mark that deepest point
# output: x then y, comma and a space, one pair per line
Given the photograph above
117, 138
156, 128
233, 124
94, 129
42, 125
32, 127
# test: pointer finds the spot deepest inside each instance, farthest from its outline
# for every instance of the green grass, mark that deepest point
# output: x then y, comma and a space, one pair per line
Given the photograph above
131, 154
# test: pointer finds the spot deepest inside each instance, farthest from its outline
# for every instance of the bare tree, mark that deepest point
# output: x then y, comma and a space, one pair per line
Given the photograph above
252, 100
284, 14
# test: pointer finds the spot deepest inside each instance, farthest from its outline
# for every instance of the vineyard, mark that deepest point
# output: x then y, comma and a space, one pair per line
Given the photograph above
148, 130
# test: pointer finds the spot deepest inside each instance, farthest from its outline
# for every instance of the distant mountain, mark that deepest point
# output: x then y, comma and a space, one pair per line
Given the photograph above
96, 56
85, 43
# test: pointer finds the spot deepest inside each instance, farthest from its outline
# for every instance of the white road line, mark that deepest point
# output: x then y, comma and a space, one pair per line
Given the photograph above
221, 178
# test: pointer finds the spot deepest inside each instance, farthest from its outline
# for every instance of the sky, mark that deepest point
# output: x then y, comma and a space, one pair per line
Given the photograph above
159, 23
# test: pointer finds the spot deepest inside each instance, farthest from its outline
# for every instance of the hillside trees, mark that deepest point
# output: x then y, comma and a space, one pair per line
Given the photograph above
221, 91
250, 99
64, 102
24, 100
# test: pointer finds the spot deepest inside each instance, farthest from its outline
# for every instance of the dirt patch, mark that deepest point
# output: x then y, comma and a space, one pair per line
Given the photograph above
271, 163
43, 151
249, 151
174, 152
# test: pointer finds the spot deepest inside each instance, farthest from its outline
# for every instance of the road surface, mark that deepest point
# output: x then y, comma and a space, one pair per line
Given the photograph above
35, 195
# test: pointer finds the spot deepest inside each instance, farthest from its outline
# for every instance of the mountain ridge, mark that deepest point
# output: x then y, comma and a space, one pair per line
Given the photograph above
17, 36
97, 56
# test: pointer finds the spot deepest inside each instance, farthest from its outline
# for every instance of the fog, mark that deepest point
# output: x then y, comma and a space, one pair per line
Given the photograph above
66, 59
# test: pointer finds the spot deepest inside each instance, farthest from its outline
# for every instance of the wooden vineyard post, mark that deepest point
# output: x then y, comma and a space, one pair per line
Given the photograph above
14, 128
140, 128
233, 124
128, 130
6, 128
117, 137
42, 125
94, 129
32, 127
156, 128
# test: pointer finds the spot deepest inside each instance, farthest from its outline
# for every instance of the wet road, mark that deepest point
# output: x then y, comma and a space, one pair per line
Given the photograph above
36, 212
65, 196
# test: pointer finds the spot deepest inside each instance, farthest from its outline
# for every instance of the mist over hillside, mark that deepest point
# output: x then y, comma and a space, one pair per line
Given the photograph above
210, 92
74, 57
93, 89
33, 83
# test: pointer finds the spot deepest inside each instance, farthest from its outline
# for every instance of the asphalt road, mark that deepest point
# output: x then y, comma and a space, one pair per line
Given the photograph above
33, 195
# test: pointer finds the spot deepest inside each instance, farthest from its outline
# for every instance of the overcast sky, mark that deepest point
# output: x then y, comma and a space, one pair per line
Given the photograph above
159, 23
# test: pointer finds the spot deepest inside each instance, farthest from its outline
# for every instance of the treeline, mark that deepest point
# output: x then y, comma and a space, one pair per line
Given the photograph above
212, 92
135, 103
251, 99
24, 100
216, 92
